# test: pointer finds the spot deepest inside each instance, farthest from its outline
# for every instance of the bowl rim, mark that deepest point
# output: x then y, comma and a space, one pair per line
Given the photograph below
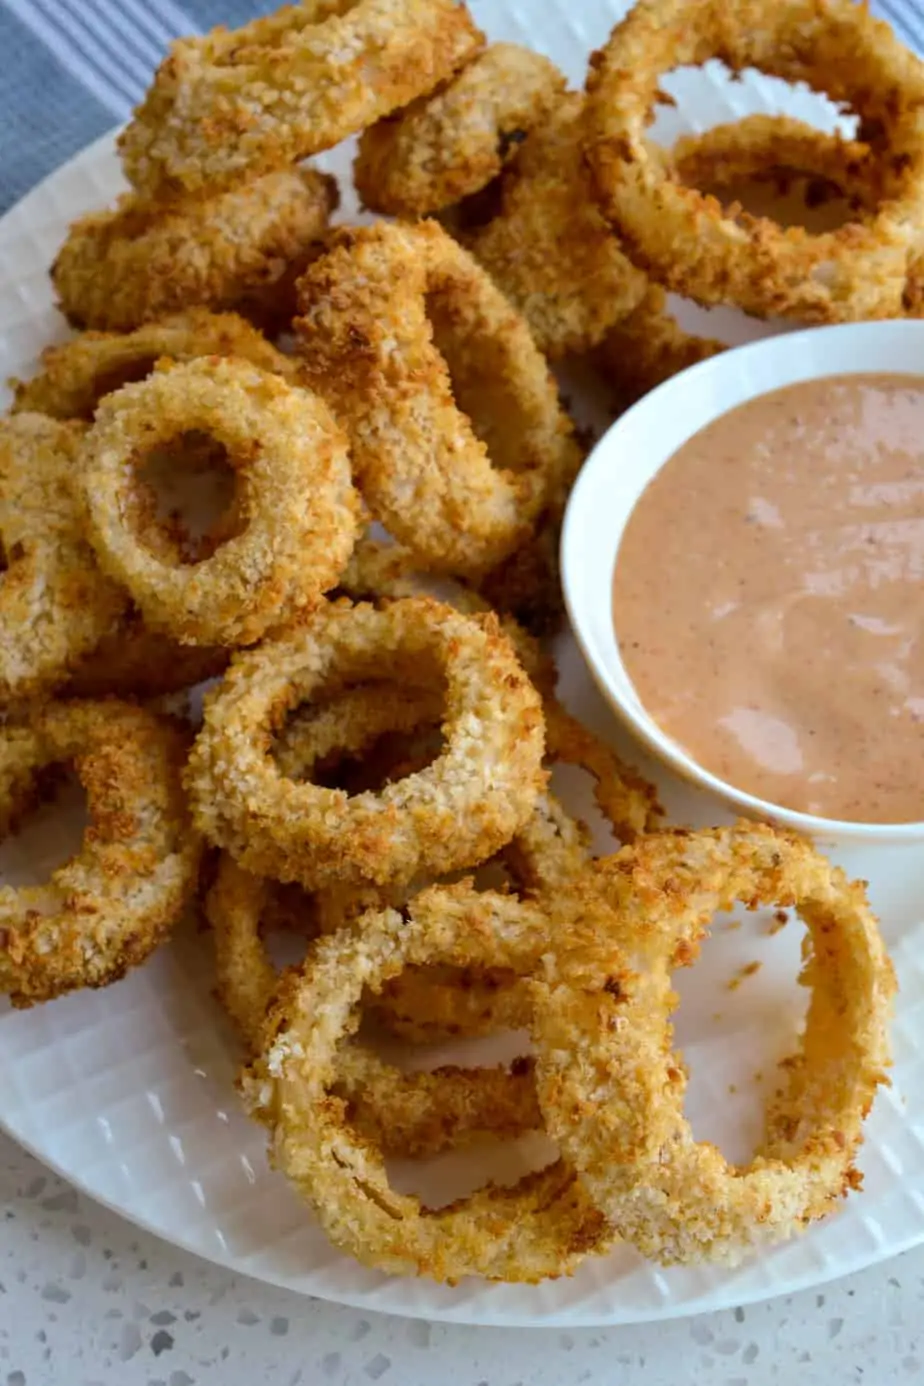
791, 348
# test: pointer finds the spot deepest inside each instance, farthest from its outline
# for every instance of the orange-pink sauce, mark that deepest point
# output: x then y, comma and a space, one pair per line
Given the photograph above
768, 597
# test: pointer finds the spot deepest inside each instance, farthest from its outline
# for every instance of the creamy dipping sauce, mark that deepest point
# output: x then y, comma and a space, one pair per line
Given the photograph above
768, 597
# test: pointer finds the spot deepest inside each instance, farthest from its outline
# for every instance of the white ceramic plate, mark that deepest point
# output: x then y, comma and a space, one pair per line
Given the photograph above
128, 1092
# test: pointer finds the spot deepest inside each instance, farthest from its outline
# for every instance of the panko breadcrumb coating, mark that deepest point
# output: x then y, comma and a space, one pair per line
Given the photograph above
475, 795
459, 440
451, 144
541, 1227
296, 512
107, 908
686, 240
549, 248
143, 260
407, 1114
240, 102
55, 602
649, 346
611, 1089
76, 375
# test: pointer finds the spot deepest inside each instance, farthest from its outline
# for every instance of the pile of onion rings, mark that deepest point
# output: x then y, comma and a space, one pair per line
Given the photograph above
370, 771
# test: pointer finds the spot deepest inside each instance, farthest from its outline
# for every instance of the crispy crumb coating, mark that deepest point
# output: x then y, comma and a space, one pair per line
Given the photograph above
408, 1113
459, 440
543, 1226
112, 904
550, 248
77, 374
143, 260
240, 102
474, 796
296, 513
685, 239
55, 602
451, 143
611, 1088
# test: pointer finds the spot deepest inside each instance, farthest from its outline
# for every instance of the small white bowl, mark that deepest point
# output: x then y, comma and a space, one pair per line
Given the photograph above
629, 455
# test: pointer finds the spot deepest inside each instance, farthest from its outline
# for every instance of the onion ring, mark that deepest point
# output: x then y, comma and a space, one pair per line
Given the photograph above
111, 905
296, 511
544, 1226
602, 1028
649, 346
686, 240
55, 603
380, 313
410, 1114
550, 249
464, 806
76, 375
241, 102
143, 260
452, 143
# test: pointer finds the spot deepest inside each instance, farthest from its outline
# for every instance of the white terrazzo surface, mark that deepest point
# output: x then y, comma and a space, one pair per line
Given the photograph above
87, 1300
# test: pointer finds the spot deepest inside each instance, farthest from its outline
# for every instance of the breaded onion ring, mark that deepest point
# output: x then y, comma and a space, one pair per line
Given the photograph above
649, 346
142, 260
612, 1091
111, 905
685, 239
773, 148
244, 101
76, 375
450, 144
411, 1114
544, 1226
296, 513
550, 249
55, 603
381, 313
471, 800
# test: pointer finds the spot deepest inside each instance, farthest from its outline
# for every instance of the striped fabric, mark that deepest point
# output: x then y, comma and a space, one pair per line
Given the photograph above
74, 68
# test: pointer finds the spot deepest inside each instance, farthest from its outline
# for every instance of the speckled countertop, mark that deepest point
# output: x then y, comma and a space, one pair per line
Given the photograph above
87, 1300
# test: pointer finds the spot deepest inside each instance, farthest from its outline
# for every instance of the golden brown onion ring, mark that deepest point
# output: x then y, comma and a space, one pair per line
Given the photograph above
686, 240
296, 512
649, 346
550, 249
55, 603
612, 1090
143, 260
112, 904
451, 143
76, 375
471, 800
459, 440
240, 102
410, 1114
541, 1227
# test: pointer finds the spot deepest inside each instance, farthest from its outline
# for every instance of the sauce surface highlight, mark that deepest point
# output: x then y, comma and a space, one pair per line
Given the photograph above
768, 597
